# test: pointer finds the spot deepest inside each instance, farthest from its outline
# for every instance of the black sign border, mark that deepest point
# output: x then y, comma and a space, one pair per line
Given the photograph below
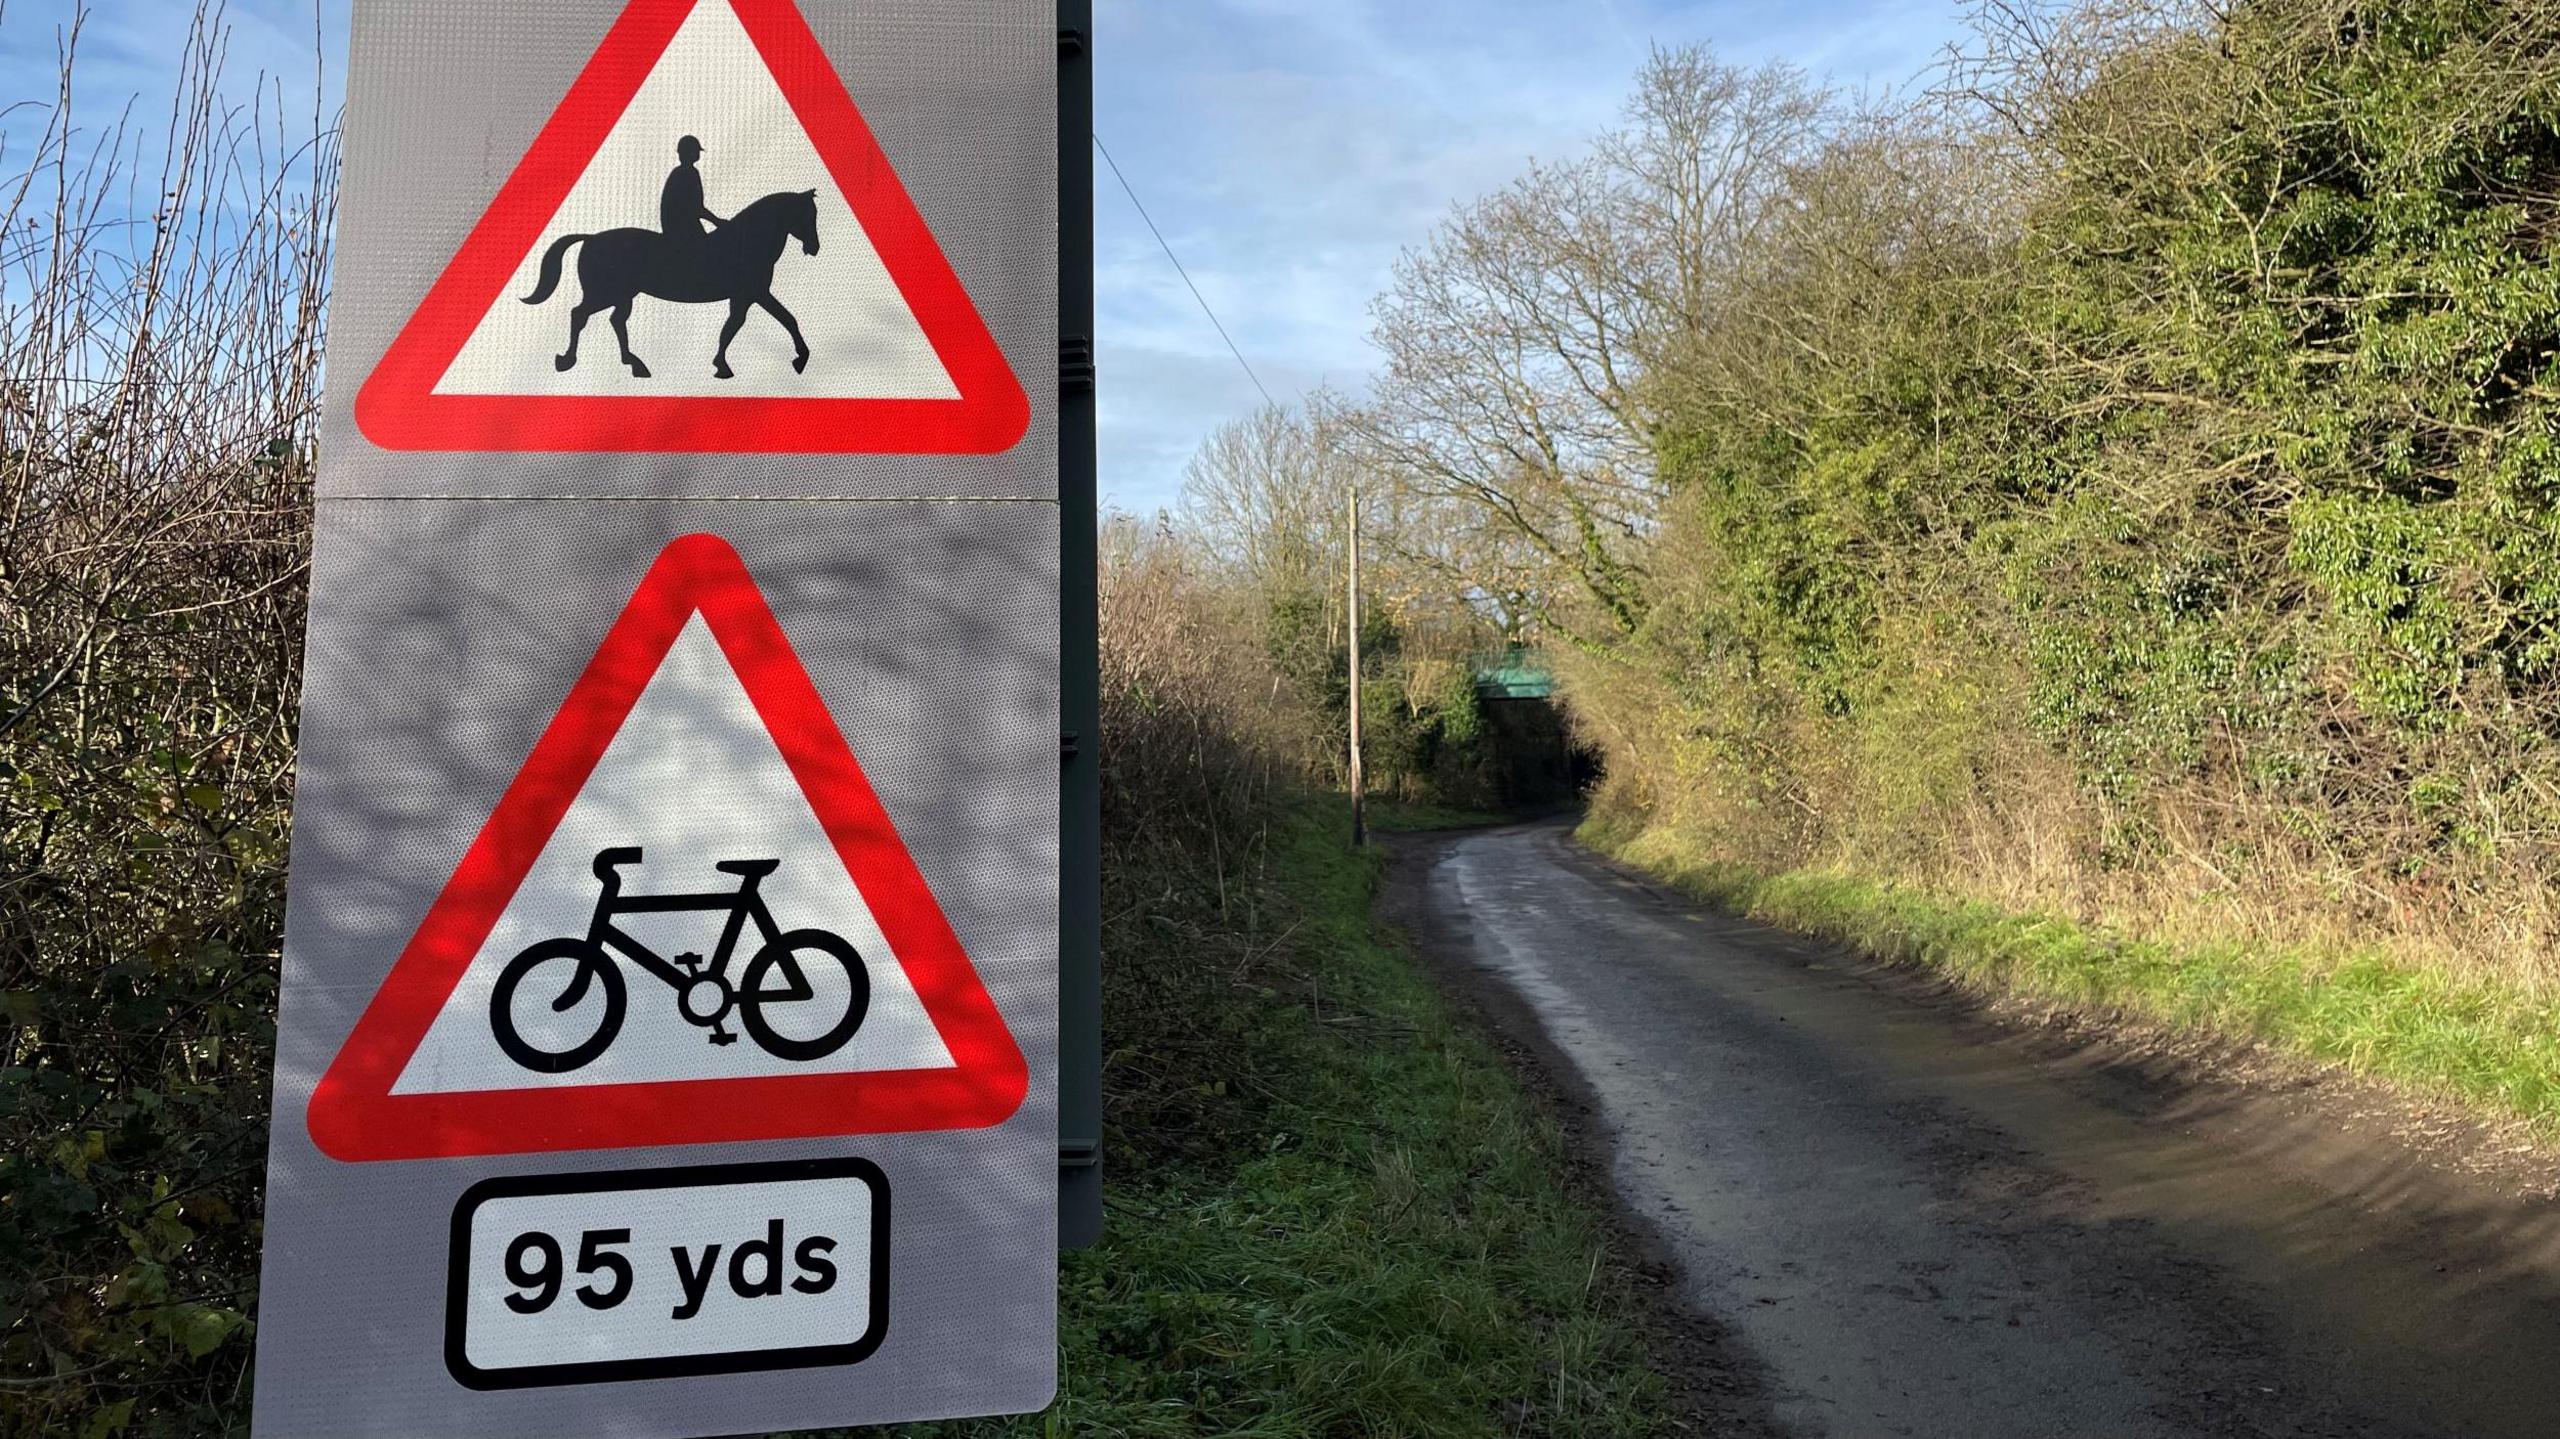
674, 1366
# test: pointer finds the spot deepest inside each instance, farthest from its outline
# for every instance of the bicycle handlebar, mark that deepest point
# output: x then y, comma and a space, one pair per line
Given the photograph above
609, 860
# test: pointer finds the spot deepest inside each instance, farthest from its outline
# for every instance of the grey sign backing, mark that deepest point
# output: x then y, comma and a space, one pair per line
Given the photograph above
656, 1204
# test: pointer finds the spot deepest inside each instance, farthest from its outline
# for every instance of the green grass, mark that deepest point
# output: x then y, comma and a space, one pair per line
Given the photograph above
1333, 1210
1396, 816
2489, 1046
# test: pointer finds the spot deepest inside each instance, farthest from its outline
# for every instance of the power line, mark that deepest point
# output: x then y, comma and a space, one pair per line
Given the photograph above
1185, 274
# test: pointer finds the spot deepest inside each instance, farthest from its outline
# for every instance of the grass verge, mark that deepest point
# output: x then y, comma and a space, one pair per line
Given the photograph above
2481, 1044
1333, 1210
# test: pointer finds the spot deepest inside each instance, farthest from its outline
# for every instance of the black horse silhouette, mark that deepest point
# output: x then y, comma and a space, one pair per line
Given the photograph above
733, 263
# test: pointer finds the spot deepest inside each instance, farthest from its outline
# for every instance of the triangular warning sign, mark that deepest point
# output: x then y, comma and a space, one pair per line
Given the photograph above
688, 920
704, 250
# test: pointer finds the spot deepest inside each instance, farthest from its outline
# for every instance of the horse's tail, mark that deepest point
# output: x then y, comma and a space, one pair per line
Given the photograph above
551, 268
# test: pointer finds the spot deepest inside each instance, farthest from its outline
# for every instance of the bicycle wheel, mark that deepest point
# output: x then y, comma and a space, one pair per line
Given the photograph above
594, 966
798, 948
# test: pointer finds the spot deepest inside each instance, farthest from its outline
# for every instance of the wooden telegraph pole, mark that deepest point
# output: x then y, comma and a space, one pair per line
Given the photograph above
1359, 819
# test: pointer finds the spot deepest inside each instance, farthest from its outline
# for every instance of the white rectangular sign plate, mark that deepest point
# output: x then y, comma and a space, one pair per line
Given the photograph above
658, 1273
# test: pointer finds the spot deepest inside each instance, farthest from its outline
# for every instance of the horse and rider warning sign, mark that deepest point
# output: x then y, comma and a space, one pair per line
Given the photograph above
668, 1042
884, 350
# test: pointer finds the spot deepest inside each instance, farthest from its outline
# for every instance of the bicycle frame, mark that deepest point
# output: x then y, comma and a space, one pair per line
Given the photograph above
741, 904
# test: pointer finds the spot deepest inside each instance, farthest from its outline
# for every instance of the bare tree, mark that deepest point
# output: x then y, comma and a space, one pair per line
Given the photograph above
1264, 494
1518, 338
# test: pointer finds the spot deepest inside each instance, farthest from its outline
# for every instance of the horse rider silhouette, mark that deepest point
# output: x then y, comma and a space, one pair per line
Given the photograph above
733, 264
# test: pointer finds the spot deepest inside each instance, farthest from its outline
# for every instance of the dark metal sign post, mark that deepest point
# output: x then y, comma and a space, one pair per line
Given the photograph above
1079, 655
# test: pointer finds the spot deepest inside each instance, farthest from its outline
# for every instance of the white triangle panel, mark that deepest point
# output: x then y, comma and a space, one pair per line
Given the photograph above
691, 778
712, 84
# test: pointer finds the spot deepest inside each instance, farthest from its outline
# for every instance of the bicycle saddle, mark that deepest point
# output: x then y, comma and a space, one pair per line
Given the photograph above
609, 860
748, 868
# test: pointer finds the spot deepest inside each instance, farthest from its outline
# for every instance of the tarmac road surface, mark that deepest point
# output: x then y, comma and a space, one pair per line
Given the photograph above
1900, 1217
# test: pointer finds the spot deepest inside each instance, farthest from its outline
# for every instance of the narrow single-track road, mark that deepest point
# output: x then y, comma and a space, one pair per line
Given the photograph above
1900, 1216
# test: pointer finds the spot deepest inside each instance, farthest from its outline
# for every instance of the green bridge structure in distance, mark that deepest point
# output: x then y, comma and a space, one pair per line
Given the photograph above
1537, 764
1513, 674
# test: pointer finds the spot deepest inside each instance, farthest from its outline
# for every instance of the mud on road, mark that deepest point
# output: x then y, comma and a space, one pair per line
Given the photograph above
1878, 1208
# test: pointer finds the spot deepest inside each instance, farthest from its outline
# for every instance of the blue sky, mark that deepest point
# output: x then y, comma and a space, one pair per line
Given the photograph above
1288, 148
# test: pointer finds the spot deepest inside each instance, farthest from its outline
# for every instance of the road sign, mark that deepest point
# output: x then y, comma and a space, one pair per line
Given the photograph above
891, 355
668, 1043
876, 1022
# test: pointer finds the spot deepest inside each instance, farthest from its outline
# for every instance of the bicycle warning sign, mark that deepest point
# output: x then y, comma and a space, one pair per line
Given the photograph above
784, 973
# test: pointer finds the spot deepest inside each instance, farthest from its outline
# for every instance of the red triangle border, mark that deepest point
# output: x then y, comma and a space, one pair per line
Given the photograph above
353, 1114
397, 406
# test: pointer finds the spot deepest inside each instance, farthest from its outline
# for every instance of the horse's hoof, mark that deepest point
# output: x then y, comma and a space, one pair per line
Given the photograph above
563, 362
800, 362
639, 371
723, 372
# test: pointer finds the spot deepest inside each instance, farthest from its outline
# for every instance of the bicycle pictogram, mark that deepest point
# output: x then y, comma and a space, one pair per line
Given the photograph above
774, 980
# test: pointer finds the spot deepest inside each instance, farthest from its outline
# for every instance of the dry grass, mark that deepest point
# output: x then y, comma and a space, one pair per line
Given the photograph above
1201, 733
1955, 843
161, 289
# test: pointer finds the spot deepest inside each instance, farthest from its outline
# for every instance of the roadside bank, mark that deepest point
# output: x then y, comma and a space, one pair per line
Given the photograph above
2474, 1063
1332, 1207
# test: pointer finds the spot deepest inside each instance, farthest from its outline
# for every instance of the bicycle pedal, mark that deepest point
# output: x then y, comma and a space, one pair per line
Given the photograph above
689, 962
719, 1038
